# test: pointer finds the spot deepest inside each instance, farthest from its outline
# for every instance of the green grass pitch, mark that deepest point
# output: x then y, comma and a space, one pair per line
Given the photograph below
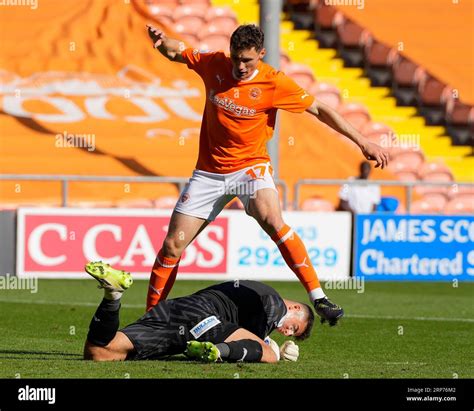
392, 330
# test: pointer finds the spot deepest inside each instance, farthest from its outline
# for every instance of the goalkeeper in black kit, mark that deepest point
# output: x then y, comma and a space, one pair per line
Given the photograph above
230, 321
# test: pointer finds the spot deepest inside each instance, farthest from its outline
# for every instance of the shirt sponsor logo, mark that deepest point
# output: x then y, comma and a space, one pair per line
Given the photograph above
229, 105
204, 326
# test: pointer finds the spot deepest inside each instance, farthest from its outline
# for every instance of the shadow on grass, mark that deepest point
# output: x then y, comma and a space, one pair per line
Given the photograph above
58, 355
37, 355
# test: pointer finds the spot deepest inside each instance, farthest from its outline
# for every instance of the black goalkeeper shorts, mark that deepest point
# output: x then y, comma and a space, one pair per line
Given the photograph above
167, 327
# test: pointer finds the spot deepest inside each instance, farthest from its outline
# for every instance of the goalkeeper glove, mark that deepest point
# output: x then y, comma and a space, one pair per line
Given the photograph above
289, 351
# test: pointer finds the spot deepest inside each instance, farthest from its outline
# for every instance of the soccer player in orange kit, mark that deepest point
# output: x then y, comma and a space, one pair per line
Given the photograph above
242, 97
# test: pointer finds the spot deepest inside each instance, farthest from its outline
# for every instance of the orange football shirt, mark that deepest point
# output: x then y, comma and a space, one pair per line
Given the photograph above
239, 116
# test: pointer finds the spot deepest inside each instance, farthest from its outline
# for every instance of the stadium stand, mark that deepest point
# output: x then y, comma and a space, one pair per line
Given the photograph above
130, 144
399, 53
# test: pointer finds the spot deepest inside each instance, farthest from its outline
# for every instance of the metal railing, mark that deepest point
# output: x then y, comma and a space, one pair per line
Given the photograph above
65, 179
407, 184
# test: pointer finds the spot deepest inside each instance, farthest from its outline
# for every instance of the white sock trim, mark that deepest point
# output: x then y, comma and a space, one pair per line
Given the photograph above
112, 295
285, 237
316, 294
165, 265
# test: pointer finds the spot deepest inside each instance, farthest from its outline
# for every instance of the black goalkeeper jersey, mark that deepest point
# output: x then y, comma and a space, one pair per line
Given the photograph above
252, 305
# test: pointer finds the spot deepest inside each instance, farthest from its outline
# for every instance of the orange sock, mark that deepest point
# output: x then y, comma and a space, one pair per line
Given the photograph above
294, 253
162, 279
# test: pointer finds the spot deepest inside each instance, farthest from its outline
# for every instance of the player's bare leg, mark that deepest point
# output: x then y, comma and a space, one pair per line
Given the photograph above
265, 208
182, 230
104, 342
117, 350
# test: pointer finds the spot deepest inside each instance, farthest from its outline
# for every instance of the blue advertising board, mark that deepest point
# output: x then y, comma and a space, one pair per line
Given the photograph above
414, 247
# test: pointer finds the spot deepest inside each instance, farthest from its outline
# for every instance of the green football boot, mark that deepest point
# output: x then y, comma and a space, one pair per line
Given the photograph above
203, 351
108, 277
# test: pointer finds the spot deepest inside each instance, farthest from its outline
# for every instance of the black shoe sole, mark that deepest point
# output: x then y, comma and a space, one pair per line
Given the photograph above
333, 321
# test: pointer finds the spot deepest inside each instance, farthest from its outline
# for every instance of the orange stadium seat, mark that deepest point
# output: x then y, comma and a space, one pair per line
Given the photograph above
163, 13
405, 78
212, 29
425, 207
460, 122
378, 133
459, 113
186, 28
91, 204
432, 96
406, 72
189, 15
403, 175
402, 165
461, 191
460, 205
440, 199
356, 114
326, 19
166, 202
378, 61
327, 16
327, 93
190, 39
204, 4
351, 39
317, 204
221, 27
284, 61
166, 3
221, 15
134, 203
301, 74
350, 33
214, 42
413, 154
435, 172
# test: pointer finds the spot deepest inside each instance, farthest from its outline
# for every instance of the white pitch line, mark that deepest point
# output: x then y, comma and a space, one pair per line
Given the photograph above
69, 303
390, 317
372, 317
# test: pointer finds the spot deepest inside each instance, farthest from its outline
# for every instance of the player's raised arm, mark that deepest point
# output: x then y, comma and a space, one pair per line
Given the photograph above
332, 118
170, 48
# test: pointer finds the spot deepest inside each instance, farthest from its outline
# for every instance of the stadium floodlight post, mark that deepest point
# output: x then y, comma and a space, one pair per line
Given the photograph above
270, 11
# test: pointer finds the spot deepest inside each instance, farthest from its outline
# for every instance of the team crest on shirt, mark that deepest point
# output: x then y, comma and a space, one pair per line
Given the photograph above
195, 51
255, 93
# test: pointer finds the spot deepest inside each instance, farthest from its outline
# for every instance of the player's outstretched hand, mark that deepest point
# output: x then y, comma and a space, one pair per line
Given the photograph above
156, 35
289, 351
376, 153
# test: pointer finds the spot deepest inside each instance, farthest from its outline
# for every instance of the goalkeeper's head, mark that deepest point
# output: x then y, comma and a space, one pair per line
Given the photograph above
298, 321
